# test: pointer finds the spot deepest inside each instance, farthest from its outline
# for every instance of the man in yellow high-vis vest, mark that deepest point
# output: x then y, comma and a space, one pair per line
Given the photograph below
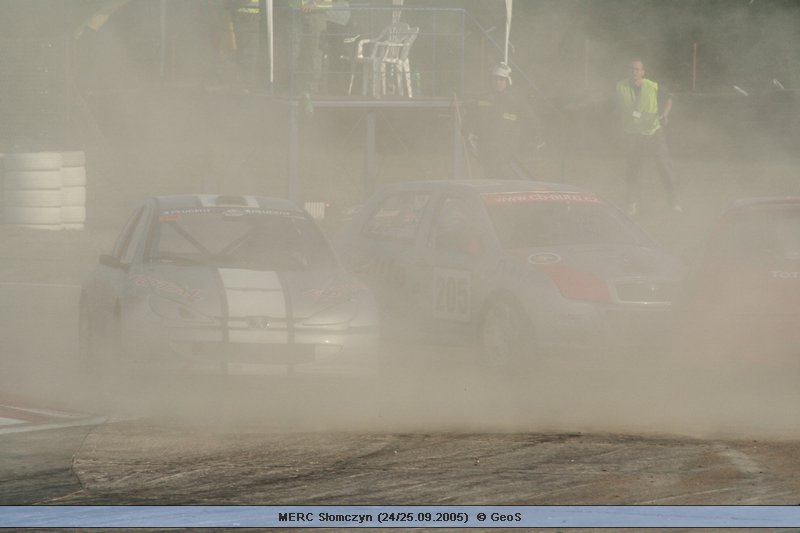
644, 112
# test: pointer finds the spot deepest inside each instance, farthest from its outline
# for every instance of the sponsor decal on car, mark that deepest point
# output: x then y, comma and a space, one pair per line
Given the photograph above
544, 258
778, 274
164, 286
333, 292
452, 292
540, 196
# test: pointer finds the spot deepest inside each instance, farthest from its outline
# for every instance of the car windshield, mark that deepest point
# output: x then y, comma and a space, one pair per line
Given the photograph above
759, 236
530, 220
240, 238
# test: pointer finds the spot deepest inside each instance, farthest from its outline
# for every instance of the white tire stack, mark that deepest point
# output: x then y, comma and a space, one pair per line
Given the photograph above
45, 190
73, 190
32, 189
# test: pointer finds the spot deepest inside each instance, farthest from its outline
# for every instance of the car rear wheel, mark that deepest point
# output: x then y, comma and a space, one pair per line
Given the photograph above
98, 345
505, 334
86, 354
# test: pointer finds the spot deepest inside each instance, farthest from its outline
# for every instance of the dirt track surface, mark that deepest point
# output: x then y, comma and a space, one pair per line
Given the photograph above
532, 469
147, 464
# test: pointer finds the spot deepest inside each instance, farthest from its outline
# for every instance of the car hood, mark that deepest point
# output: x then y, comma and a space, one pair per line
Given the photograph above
250, 293
611, 274
608, 262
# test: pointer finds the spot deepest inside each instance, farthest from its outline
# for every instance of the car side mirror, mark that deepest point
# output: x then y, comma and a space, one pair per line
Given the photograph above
473, 245
110, 261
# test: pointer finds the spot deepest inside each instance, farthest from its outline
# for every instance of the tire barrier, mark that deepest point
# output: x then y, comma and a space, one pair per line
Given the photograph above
73, 159
32, 161
73, 176
73, 216
73, 190
32, 180
44, 190
32, 198
34, 217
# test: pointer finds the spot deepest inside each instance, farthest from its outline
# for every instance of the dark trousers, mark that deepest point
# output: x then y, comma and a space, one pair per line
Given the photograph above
642, 147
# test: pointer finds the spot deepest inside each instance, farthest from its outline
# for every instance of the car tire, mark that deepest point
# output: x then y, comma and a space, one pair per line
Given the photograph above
73, 176
32, 198
73, 159
506, 336
32, 161
32, 180
73, 196
45, 217
73, 214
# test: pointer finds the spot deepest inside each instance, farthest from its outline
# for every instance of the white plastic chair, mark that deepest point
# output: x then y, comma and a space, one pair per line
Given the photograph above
396, 59
374, 54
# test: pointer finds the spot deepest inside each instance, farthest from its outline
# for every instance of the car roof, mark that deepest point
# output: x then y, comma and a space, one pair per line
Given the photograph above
765, 202
188, 201
487, 186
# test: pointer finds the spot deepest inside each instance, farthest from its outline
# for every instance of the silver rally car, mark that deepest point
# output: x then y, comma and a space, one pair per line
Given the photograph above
225, 284
516, 267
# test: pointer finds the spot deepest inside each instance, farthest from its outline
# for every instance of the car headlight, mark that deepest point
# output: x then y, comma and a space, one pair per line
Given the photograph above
177, 311
335, 315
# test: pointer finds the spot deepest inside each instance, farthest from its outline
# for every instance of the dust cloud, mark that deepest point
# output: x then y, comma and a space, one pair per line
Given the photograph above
200, 129
441, 389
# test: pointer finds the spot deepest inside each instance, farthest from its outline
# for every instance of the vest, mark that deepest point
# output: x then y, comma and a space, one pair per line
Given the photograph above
250, 8
639, 114
319, 4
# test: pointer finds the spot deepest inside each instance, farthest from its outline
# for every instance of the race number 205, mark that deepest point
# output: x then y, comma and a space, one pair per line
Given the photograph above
452, 292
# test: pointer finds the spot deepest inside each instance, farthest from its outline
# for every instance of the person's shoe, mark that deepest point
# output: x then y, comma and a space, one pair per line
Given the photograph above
677, 208
632, 209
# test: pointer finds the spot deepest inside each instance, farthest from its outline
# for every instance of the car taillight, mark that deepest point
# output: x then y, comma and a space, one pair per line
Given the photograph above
574, 284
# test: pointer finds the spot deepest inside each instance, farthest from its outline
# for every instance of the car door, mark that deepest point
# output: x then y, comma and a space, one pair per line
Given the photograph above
122, 270
451, 270
382, 254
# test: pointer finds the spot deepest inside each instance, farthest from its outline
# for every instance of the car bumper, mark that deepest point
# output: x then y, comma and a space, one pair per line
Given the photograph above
213, 350
596, 330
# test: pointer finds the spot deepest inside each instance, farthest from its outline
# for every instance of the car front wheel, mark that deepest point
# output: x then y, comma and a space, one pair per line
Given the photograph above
505, 334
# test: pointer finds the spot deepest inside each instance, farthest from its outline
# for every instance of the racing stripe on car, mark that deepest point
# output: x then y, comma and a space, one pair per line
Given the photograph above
256, 306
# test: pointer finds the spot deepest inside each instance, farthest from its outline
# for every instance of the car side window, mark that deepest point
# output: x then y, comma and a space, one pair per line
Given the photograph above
398, 217
454, 228
124, 239
136, 237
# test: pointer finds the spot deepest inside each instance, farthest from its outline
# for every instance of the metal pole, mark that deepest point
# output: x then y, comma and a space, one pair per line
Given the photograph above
261, 65
458, 143
292, 185
463, 47
163, 56
694, 65
586, 63
509, 11
371, 172
397, 13
271, 32
67, 102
